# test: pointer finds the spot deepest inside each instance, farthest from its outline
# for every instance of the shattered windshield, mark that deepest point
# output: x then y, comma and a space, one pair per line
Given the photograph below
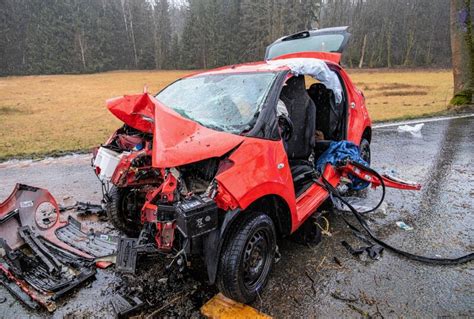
224, 102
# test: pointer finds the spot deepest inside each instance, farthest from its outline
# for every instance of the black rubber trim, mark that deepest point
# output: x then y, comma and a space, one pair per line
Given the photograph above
428, 260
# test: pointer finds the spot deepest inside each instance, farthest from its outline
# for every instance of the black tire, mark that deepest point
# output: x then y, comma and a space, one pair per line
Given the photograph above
118, 211
364, 149
247, 257
308, 233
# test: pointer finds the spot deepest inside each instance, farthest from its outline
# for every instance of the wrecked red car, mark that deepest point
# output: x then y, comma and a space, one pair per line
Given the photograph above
221, 163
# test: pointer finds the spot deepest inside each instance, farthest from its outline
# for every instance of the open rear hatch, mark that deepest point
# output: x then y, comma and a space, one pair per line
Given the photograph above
326, 44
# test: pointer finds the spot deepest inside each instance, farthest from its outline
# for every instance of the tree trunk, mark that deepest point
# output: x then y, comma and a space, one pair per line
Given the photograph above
135, 56
124, 16
389, 45
410, 44
81, 46
364, 43
430, 44
462, 52
157, 39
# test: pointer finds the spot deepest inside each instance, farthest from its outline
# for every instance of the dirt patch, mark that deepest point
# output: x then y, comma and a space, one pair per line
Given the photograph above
8, 110
397, 70
394, 87
399, 86
400, 93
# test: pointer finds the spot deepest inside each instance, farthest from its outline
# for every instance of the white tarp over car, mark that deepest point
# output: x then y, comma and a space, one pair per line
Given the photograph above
315, 68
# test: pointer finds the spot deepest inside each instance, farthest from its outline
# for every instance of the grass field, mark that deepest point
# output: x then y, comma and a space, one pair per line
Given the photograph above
61, 113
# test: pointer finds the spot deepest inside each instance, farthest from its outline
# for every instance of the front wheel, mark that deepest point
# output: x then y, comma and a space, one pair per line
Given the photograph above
247, 257
123, 209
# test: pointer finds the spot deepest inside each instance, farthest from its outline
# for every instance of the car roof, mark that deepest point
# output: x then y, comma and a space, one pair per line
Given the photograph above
261, 66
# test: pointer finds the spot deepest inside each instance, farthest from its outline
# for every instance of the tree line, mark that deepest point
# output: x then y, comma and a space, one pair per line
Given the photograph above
82, 36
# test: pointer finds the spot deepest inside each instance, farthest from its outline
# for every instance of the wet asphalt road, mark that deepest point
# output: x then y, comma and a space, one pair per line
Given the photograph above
307, 282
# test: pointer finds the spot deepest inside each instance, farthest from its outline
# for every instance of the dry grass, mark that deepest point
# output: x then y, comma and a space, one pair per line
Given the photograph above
403, 94
61, 113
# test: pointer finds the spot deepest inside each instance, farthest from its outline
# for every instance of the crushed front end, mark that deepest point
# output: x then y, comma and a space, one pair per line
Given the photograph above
176, 216
124, 167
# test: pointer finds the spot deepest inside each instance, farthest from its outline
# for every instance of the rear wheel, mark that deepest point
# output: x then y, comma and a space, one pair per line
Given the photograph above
123, 210
309, 232
247, 257
364, 150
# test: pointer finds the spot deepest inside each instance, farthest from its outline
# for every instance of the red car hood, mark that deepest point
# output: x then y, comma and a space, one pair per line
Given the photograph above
134, 110
176, 140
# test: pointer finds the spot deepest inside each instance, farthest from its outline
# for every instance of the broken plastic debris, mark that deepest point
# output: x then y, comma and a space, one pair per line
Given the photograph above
355, 202
415, 130
403, 226
125, 305
374, 251
382, 209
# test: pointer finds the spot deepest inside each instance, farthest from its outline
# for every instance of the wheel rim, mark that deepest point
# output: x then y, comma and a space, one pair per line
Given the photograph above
129, 207
255, 260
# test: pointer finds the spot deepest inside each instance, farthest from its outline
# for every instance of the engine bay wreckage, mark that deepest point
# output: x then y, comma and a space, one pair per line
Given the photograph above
216, 167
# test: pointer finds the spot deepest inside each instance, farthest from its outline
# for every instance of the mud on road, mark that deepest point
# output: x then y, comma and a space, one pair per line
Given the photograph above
313, 281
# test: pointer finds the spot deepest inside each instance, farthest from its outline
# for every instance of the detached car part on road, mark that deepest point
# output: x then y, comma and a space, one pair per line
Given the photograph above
220, 164
42, 256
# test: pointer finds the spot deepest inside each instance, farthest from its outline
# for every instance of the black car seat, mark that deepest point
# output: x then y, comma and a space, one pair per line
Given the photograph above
302, 112
328, 116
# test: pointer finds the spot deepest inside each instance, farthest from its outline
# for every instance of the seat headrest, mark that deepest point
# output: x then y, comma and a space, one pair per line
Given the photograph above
317, 87
295, 85
296, 81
